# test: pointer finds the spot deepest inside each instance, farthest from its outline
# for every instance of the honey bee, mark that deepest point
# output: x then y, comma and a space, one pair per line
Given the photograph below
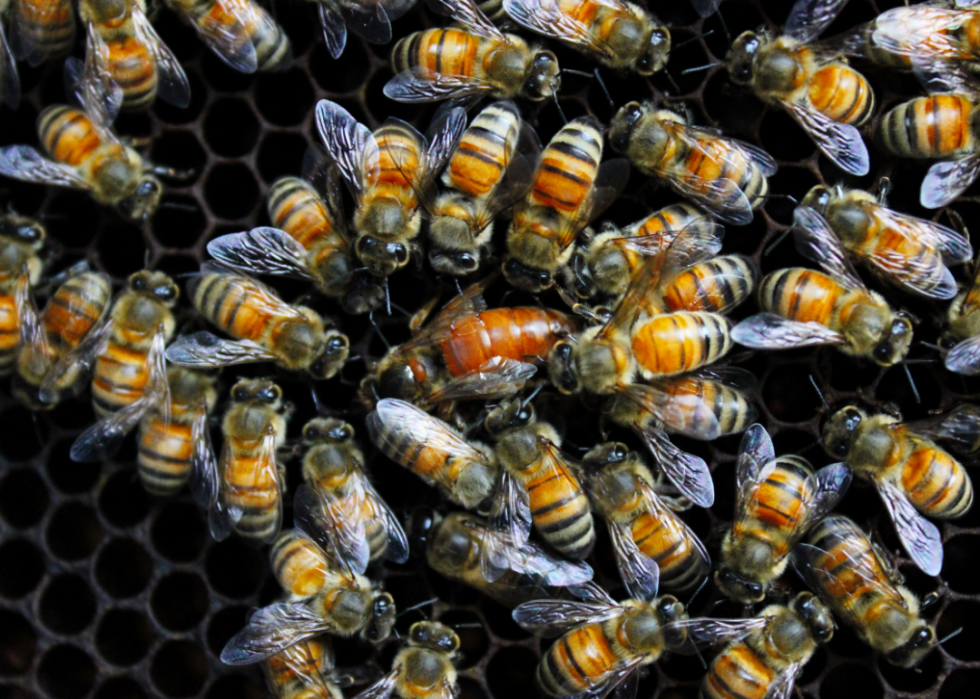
569, 188
777, 500
769, 660
239, 32
537, 484
385, 170
653, 546
911, 473
468, 351
802, 307
937, 127
175, 444
123, 50
911, 252
469, 62
424, 668
847, 572
9, 78
453, 547
304, 671
130, 377
338, 506
294, 337
485, 175
722, 175
464, 471
77, 307
618, 34
41, 29
21, 241
813, 83
320, 599
310, 241
603, 642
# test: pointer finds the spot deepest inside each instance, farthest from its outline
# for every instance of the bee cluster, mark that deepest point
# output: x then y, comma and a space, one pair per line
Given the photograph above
601, 375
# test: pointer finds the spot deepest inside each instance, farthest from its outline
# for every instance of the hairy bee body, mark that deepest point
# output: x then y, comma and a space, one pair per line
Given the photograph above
42, 29
303, 671
128, 62
689, 400
424, 668
937, 126
675, 343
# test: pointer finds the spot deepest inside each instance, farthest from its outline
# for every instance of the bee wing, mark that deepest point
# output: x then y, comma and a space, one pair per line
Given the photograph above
204, 350
609, 183
173, 84
512, 188
262, 250
91, 87
498, 378
272, 629
947, 180
762, 159
782, 684
228, 40
314, 677
551, 617
102, 441
754, 453
397, 551
546, 17
680, 530
223, 515
683, 409
511, 509
349, 143
334, 525
704, 632
808, 18
953, 245
531, 559
382, 689
25, 163
825, 487
705, 8
421, 85
470, 16
922, 30
370, 22
842, 143
964, 358
770, 331
82, 357
688, 473
640, 574
920, 537
9, 79
33, 335
204, 467
334, 29
960, 426
444, 133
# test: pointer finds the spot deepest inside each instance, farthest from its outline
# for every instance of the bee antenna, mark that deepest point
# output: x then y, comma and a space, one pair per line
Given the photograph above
673, 83
377, 329
420, 605
779, 239
602, 84
480, 626
931, 345
387, 296
807, 448
531, 397
700, 587
819, 392
696, 69
316, 399
459, 289
558, 107
697, 652
915, 390
950, 635
694, 38
724, 27
177, 206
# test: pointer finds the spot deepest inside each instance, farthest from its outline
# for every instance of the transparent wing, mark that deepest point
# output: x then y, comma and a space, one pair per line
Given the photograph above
925, 274
842, 143
498, 378
816, 241
25, 163
334, 29
680, 407
920, 537
947, 180
511, 509
703, 632
782, 684
82, 357
470, 16
91, 86
769, 331
226, 34
272, 629
33, 335
204, 350
755, 451
204, 466
262, 250
421, 85
546, 17
640, 574
346, 141
102, 440
951, 244
827, 486
964, 358
735, 278
761, 158
918, 30
367, 20
9, 79
334, 523
173, 85
444, 134
381, 689
223, 515
397, 551
808, 18
960, 426
550, 617
531, 559
688, 473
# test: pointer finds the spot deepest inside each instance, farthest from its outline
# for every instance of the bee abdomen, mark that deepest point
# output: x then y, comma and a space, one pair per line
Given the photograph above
134, 71
296, 208
67, 134
47, 26
682, 564
568, 167
738, 673
928, 127
297, 564
447, 51
164, 456
560, 510
842, 94
711, 286
483, 153
577, 661
272, 48
120, 379
9, 334
800, 294
675, 343
75, 308
936, 483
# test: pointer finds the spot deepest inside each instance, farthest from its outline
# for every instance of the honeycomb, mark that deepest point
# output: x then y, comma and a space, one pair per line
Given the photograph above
109, 593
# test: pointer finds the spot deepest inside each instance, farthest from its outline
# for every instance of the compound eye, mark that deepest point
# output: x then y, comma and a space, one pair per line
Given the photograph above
727, 576
400, 253
467, 262
336, 344
633, 113
239, 394
138, 283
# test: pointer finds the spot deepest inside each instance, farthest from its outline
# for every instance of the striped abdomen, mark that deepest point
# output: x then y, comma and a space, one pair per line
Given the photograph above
165, 450
842, 94
236, 305
67, 134
737, 673
580, 659
272, 48
399, 160
251, 484
664, 538
883, 241
774, 513
560, 510
348, 512
674, 343
298, 563
9, 333
129, 62
445, 51
121, 375
713, 286
297, 208
43, 29
696, 404
511, 333
302, 671
800, 294
937, 126
484, 152
715, 160
934, 481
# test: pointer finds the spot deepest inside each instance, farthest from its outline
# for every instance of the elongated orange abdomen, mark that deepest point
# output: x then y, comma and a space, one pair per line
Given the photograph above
121, 375
296, 208
67, 134
667, 540
714, 286
251, 484
738, 673
447, 51
298, 564
842, 94
934, 481
568, 167
134, 70
560, 510
577, 661
9, 333
937, 126
800, 294
235, 304
675, 343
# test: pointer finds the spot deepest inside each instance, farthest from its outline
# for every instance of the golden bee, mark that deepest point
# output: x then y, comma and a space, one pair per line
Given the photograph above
569, 188
776, 501
616, 33
424, 668
176, 443
654, 548
802, 307
310, 241
123, 51
537, 484
768, 661
453, 546
304, 671
321, 598
9, 78
385, 170
338, 506
911, 473
21, 266
847, 571
470, 61
485, 175
41, 29
464, 471
814, 84
239, 32
907, 251
724, 176
268, 329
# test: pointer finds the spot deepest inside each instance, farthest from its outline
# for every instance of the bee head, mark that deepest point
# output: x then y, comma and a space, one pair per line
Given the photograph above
336, 349
737, 589
525, 278
895, 341
434, 636
508, 415
912, 652
144, 200
156, 284
622, 125
23, 230
327, 431
818, 198
259, 390
670, 611
741, 57
562, 369
544, 77
840, 429
382, 259
818, 618
657, 52
604, 455
456, 263
383, 613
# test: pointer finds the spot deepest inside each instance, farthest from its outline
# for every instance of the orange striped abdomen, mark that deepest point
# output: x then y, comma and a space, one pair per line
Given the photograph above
560, 511
675, 343
446, 51
667, 540
800, 294
484, 152
773, 514
250, 483
937, 126
737, 673
67, 135
134, 70
716, 160
842, 94
296, 208
568, 167
712, 286
235, 305
121, 375
935, 482
298, 564
74, 309
577, 661
9, 333
164, 462
47, 26
399, 153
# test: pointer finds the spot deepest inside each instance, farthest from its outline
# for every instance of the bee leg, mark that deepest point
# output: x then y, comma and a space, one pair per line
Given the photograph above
884, 188
136, 141
173, 173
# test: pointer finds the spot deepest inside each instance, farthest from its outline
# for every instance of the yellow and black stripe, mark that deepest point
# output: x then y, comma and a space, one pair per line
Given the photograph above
937, 126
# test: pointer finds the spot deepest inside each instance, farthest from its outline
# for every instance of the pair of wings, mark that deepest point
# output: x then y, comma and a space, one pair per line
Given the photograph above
526, 559
224, 27
960, 428
172, 83
335, 520
369, 20
926, 274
